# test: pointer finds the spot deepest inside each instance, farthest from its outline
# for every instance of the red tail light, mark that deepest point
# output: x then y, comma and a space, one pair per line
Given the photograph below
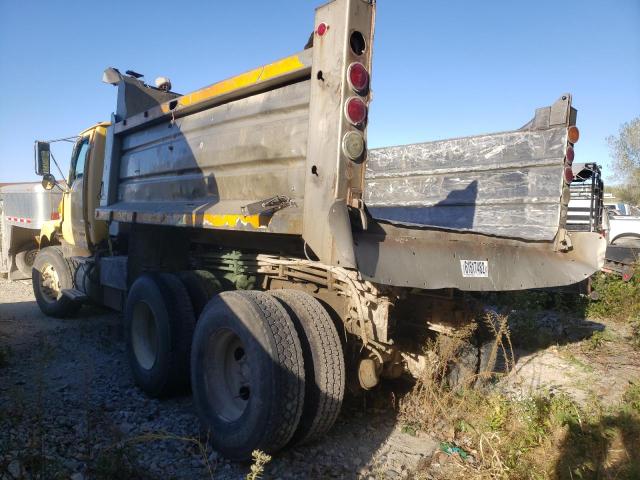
358, 77
570, 155
568, 174
322, 29
356, 111
55, 216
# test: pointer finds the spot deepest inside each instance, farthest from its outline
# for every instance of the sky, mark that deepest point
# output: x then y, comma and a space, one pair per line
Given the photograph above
441, 69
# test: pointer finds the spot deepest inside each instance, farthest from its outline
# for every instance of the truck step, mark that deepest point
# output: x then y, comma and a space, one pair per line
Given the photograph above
75, 294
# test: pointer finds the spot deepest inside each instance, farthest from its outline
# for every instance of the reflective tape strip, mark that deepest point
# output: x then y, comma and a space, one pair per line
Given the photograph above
19, 219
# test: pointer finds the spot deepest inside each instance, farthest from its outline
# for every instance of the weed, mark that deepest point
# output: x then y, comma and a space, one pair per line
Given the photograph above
635, 332
617, 299
536, 437
117, 461
631, 397
201, 446
260, 459
599, 338
409, 429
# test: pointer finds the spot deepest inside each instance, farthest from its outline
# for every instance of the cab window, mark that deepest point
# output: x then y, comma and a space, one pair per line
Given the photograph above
79, 159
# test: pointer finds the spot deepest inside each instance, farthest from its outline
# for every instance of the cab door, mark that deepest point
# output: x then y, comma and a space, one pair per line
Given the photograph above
74, 228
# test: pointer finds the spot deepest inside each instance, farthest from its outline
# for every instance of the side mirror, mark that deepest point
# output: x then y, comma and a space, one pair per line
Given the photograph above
43, 158
48, 181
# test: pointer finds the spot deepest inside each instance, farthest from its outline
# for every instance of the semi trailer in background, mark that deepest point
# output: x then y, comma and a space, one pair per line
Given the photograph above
264, 257
24, 207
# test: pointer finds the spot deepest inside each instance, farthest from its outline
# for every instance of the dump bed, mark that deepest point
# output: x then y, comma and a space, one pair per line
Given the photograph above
281, 150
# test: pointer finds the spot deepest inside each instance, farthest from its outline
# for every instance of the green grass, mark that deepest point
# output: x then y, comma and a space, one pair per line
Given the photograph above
618, 300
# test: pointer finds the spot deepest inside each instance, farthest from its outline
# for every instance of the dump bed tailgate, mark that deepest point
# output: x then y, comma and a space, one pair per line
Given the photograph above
508, 184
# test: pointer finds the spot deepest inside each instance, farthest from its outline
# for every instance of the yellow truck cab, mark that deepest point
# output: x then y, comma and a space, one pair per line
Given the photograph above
76, 226
75, 233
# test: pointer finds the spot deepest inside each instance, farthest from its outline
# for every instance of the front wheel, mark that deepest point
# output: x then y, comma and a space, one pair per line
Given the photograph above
25, 258
51, 274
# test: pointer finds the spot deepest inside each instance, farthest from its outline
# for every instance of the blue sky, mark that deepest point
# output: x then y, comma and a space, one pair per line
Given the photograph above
441, 69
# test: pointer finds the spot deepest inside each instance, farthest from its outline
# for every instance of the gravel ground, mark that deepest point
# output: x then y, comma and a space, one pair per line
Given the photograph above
69, 409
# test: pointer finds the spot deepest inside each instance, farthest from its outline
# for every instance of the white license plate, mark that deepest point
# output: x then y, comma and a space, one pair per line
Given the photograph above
475, 268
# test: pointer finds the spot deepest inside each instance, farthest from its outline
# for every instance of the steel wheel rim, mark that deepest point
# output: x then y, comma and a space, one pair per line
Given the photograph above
50, 284
144, 336
30, 257
227, 375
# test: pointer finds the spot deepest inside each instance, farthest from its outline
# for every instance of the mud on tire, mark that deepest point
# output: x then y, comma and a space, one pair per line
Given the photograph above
247, 374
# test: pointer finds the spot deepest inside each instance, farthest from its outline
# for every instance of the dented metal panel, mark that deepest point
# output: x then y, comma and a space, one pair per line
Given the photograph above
508, 184
193, 170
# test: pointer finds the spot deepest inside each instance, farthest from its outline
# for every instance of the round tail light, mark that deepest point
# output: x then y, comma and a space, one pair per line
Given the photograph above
358, 77
353, 145
322, 29
356, 111
574, 134
568, 174
570, 155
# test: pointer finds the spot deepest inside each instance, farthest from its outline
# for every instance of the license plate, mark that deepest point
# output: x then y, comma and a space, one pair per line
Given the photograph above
475, 268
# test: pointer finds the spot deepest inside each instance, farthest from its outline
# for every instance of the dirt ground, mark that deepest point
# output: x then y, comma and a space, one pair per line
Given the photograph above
69, 408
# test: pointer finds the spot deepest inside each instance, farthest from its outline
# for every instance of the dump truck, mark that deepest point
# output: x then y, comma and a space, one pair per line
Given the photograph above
24, 207
265, 258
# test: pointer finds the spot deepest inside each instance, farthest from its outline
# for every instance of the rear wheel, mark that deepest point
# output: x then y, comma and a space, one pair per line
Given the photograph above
51, 274
201, 286
159, 322
323, 363
247, 373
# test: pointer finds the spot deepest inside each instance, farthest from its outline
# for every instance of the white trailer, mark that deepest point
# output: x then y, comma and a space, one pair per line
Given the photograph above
23, 210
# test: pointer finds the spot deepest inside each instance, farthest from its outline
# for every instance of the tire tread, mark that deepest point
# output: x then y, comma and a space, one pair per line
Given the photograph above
329, 367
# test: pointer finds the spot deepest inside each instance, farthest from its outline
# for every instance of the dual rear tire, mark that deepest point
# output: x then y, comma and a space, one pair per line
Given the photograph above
266, 370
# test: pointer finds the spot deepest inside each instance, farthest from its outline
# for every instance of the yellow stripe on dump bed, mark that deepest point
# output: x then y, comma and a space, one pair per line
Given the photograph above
230, 220
260, 74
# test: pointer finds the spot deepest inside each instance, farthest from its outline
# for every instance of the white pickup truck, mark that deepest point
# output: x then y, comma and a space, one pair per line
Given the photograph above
624, 229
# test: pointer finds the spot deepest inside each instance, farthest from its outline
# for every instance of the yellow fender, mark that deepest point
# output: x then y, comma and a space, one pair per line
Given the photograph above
48, 232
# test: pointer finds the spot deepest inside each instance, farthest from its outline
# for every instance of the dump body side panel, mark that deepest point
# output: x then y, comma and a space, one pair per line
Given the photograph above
200, 169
